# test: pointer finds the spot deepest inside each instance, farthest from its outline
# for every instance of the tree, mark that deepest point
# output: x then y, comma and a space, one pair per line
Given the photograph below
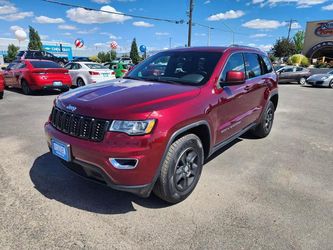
34, 40
284, 48
134, 54
299, 41
11, 54
106, 57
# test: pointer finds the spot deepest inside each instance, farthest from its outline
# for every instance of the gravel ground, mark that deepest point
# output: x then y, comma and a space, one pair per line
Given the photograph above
274, 193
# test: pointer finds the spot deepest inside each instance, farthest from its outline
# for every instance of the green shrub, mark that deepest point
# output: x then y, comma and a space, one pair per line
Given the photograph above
299, 59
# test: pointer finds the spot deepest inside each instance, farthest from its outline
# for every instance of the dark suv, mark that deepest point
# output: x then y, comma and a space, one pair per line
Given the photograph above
153, 129
42, 55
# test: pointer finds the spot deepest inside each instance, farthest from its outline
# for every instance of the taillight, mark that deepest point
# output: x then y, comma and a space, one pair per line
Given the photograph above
93, 73
113, 73
123, 71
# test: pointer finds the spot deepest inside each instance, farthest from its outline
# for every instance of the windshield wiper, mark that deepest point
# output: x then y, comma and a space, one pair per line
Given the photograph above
132, 78
159, 79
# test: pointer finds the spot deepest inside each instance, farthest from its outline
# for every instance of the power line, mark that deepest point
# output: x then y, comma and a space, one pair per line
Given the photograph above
115, 13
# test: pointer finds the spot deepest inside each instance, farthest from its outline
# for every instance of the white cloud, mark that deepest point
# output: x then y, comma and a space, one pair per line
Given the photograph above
231, 14
66, 27
7, 8
15, 28
328, 7
263, 47
263, 24
162, 33
81, 15
258, 35
298, 3
43, 37
143, 24
200, 34
85, 32
101, 1
17, 16
207, 1
45, 19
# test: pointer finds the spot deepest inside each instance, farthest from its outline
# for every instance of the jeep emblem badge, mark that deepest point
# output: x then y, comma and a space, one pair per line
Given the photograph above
71, 107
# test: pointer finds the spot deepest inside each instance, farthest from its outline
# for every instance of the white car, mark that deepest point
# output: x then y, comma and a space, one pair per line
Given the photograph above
83, 73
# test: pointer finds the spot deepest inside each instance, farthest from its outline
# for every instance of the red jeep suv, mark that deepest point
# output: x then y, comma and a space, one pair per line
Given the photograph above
153, 129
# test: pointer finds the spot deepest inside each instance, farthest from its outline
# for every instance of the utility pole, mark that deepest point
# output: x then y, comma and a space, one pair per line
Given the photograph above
290, 24
170, 40
208, 43
190, 12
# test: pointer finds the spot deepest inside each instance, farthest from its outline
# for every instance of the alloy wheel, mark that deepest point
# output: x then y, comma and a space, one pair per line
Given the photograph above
186, 170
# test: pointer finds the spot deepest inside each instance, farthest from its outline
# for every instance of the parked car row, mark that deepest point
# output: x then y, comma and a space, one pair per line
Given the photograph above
303, 76
33, 74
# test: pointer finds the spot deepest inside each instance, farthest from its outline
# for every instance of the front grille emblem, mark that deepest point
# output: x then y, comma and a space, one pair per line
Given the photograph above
71, 107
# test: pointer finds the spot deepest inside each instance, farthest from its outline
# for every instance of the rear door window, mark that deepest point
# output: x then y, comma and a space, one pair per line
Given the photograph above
266, 63
252, 65
45, 64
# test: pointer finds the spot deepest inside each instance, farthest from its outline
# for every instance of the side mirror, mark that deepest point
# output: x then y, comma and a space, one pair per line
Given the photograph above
235, 77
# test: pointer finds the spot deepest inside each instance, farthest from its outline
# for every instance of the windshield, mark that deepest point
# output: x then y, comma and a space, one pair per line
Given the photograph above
95, 66
180, 67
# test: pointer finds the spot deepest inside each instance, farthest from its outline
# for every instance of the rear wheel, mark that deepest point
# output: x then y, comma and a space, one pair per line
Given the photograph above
62, 64
1, 95
265, 126
25, 88
302, 81
181, 169
80, 82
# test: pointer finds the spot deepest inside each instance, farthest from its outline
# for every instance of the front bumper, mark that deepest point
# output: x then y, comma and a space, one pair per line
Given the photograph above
316, 83
91, 159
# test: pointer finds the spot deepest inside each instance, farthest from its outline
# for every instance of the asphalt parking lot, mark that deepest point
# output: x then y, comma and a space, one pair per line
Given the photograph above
274, 193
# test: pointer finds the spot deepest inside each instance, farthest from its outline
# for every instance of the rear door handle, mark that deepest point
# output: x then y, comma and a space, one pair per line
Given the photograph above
247, 87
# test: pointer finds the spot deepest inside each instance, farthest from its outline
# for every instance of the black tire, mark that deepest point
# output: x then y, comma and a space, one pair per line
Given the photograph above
1, 95
302, 81
25, 88
331, 84
61, 64
80, 82
181, 169
265, 126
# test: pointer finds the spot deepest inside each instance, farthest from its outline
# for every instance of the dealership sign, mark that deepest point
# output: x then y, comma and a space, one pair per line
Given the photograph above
324, 29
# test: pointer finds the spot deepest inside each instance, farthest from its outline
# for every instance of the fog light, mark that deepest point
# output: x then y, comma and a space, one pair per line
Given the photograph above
122, 163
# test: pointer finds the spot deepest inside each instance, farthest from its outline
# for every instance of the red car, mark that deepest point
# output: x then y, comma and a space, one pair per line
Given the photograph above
33, 75
2, 85
153, 132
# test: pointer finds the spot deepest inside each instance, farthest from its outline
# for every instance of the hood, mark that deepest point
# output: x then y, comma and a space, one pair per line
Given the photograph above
319, 76
125, 98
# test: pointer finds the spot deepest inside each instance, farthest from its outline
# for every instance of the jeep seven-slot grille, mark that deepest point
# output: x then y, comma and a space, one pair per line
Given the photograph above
79, 126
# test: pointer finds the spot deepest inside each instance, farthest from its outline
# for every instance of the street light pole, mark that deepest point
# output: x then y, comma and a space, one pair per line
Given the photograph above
190, 23
208, 43
290, 24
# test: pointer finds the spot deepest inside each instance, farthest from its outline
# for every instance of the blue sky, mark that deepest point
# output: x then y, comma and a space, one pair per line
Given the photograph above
258, 22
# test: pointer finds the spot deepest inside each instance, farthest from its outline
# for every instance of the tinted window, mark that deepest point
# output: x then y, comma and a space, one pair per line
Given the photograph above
95, 66
76, 66
252, 65
299, 69
288, 70
44, 64
235, 63
267, 65
177, 67
69, 66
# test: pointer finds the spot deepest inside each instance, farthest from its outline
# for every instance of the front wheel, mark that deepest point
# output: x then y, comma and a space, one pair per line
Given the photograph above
181, 169
302, 81
265, 126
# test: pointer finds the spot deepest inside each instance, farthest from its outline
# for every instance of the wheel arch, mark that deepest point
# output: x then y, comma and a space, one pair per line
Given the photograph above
275, 100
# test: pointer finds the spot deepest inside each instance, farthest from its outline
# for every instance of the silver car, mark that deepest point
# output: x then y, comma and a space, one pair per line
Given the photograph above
83, 73
325, 80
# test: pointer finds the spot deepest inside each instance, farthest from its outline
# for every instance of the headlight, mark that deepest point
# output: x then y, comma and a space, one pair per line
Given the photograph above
133, 127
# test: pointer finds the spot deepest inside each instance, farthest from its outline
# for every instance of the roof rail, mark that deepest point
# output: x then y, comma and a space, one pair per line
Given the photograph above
242, 46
